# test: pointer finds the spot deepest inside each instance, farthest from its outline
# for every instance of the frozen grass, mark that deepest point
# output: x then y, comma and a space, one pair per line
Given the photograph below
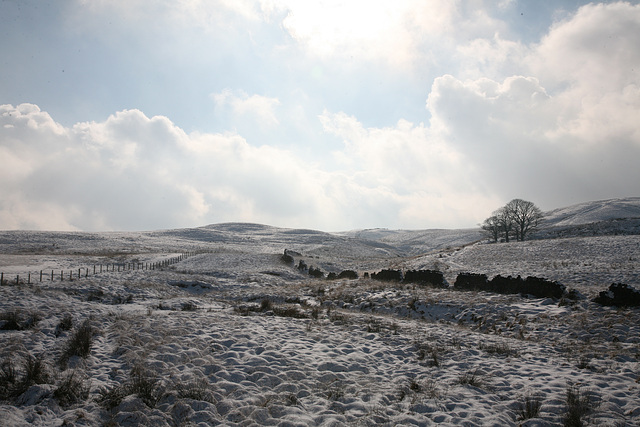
579, 404
237, 337
529, 407
79, 344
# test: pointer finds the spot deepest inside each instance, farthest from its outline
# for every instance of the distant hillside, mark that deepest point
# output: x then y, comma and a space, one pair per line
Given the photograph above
414, 242
596, 218
596, 211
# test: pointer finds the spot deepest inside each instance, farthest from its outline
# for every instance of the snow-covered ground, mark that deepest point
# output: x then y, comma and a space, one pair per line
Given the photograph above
234, 336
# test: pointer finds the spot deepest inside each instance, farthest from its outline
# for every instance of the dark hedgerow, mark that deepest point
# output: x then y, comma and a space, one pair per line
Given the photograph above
388, 275
432, 277
348, 274
536, 286
316, 272
620, 295
471, 282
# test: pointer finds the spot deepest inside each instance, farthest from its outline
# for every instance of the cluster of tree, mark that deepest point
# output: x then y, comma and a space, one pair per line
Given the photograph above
515, 220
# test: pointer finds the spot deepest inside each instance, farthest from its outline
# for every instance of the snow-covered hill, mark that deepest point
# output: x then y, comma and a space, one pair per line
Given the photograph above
595, 211
597, 218
234, 336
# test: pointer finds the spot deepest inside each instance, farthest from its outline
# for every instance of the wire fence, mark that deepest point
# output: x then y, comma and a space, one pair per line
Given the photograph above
78, 273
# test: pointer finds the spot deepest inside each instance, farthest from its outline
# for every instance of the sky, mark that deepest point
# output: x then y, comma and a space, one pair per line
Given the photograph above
331, 115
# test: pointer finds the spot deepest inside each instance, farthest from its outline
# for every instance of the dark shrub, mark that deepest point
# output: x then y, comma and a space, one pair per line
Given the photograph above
619, 295
529, 407
110, 398
10, 321
146, 385
73, 388
36, 371
471, 282
18, 321
198, 389
348, 274
286, 258
388, 275
95, 295
289, 311
579, 404
432, 277
316, 272
266, 304
65, 324
79, 344
291, 253
189, 306
8, 379
14, 382
142, 382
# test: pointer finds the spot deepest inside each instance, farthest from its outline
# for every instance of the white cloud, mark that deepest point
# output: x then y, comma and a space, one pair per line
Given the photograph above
136, 172
510, 120
513, 136
417, 174
591, 64
597, 48
362, 31
261, 109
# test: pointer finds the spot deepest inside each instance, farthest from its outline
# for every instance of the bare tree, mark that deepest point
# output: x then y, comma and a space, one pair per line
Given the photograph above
525, 217
491, 227
506, 223
517, 219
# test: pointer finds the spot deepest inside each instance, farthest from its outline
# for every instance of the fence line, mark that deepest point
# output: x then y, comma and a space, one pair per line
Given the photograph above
97, 269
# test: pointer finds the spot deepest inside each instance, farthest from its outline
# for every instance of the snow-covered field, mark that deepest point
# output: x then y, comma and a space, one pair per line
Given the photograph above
234, 336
